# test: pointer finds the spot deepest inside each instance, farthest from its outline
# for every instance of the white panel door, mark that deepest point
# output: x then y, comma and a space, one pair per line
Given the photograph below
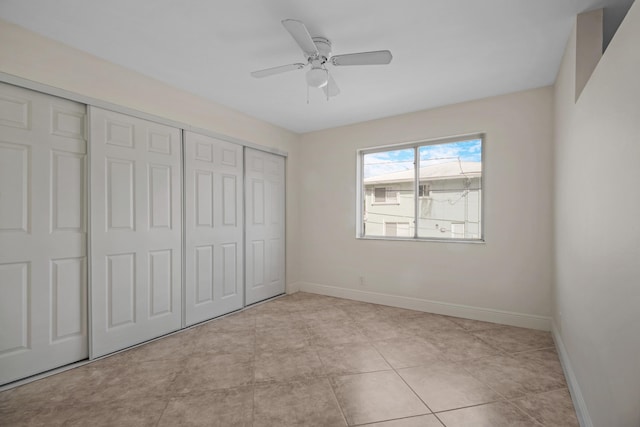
136, 224
43, 274
265, 225
213, 219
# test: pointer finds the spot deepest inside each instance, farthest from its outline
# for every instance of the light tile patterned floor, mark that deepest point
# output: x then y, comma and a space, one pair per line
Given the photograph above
310, 360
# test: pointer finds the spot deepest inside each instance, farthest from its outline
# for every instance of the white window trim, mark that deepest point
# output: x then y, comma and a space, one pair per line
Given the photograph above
361, 197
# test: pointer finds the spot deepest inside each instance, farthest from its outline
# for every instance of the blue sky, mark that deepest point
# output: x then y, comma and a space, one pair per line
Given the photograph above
399, 160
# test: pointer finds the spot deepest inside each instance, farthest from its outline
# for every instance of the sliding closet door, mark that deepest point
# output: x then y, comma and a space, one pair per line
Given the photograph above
42, 233
265, 225
213, 219
135, 230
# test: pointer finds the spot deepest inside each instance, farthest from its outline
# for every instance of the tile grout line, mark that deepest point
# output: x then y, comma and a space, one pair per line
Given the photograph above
504, 398
535, 394
509, 353
174, 392
515, 353
488, 403
335, 397
524, 413
253, 385
394, 419
511, 402
410, 388
328, 378
163, 411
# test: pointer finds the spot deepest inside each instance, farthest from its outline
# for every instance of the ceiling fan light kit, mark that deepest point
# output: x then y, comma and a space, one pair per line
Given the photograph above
317, 51
317, 77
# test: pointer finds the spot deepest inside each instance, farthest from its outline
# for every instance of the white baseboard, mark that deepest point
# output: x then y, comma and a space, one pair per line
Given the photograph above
574, 388
468, 312
292, 288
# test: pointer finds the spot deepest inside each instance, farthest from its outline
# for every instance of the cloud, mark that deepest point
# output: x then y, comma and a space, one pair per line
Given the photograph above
387, 162
399, 160
476, 148
468, 151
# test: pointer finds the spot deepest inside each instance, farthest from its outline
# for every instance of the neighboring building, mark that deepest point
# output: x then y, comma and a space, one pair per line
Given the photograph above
449, 202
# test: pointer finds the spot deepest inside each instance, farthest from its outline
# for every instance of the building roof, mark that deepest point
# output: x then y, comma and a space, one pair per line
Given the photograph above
439, 171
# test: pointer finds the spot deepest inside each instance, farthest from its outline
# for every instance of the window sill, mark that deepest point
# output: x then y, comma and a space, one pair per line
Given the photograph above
422, 239
385, 203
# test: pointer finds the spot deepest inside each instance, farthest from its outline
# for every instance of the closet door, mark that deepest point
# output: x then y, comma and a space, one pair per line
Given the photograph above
135, 230
42, 233
213, 219
265, 225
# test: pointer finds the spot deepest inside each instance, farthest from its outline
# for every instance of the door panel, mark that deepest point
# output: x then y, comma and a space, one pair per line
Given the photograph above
204, 274
265, 189
119, 200
229, 200
160, 282
159, 196
14, 187
14, 303
213, 240
229, 267
136, 244
67, 192
69, 300
121, 289
43, 274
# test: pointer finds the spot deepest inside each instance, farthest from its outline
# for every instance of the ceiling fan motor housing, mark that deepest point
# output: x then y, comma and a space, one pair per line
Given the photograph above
324, 49
318, 76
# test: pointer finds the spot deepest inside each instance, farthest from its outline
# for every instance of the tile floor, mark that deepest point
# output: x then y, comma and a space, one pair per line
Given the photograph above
309, 360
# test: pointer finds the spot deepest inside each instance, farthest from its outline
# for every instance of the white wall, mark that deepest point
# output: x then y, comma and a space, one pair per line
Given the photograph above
597, 201
33, 57
512, 271
597, 215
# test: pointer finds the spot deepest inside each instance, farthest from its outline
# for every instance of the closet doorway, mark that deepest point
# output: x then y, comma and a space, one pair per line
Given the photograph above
264, 225
43, 233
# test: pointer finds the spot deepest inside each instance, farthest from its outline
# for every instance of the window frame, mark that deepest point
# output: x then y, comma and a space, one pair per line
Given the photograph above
427, 188
361, 191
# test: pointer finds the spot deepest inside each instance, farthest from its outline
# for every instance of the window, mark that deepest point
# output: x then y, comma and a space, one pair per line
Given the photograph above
385, 195
428, 190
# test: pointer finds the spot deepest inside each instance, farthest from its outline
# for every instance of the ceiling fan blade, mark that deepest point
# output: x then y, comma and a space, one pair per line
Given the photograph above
379, 57
301, 35
331, 88
277, 70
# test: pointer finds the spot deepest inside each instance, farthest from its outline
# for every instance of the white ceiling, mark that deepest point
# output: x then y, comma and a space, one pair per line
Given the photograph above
444, 51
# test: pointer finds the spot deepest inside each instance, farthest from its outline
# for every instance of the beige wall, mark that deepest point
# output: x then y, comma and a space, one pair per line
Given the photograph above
33, 57
595, 181
511, 271
597, 217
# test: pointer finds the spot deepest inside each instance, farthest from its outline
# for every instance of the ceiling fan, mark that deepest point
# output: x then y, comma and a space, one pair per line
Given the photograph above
317, 51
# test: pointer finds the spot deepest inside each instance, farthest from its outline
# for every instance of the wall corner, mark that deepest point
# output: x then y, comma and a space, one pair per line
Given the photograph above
589, 38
